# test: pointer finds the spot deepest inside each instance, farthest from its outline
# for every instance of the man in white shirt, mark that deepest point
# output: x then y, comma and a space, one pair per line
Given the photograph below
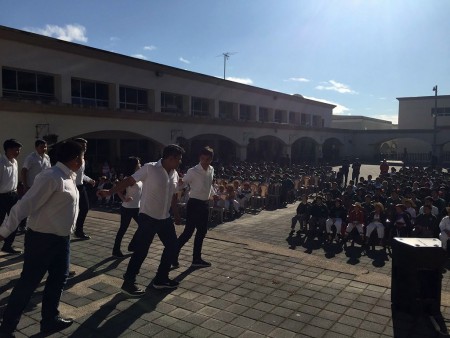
199, 179
52, 207
159, 186
34, 163
9, 178
84, 199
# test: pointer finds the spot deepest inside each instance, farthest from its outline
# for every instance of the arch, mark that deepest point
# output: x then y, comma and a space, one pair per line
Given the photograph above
304, 150
265, 148
114, 146
225, 149
331, 150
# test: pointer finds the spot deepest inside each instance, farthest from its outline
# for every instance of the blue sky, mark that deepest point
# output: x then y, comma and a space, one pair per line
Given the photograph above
360, 55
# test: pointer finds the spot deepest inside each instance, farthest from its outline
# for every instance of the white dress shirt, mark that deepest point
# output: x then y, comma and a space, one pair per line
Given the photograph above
51, 204
200, 182
135, 192
9, 174
35, 163
81, 176
158, 187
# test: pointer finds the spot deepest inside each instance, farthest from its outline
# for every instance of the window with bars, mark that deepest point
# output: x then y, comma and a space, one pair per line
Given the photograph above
225, 110
199, 106
245, 112
133, 98
90, 93
28, 85
263, 114
171, 103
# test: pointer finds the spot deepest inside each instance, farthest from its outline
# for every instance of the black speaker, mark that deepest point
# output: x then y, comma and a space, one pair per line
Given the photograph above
417, 265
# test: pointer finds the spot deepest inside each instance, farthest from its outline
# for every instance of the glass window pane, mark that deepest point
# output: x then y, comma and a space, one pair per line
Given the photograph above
131, 95
122, 96
88, 89
9, 79
45, 84
102, 91
142, 97
26, 81
76, 88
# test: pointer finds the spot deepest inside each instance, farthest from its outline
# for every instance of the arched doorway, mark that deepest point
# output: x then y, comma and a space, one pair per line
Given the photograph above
304, 150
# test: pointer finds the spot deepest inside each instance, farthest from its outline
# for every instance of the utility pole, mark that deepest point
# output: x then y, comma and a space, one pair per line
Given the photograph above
226, 56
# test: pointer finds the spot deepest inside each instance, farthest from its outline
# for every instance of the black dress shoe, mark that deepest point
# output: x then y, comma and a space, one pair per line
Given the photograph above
6, 333
82, 235
11, 250
117, 254
55, 325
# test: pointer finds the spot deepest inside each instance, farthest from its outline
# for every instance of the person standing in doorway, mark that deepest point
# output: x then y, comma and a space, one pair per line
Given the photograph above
356, 170
52, 204
9, 178
199, 179
159, 187
345, 170
82, 178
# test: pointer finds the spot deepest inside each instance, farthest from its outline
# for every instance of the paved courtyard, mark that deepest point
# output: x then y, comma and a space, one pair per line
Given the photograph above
259, 285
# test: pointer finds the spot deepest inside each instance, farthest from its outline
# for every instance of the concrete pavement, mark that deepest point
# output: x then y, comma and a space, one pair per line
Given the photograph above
259, 285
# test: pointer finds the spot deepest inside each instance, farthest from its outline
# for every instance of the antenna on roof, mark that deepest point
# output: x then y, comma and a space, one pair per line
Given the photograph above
226, 56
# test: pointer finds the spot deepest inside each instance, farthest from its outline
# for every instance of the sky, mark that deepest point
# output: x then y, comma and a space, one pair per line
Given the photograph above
360, 55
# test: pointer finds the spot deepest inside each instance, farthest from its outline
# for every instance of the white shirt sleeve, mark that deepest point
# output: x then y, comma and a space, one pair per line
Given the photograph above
34, 199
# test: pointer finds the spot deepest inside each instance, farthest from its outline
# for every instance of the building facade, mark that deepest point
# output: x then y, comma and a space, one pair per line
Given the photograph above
126, 106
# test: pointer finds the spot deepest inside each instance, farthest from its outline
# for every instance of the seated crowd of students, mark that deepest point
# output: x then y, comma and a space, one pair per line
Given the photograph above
411, 202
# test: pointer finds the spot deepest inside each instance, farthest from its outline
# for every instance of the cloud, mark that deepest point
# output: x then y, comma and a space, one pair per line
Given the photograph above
151, 47
139, 56
297, 79
336, 86
71, 33
339, 110
184, 60
246, 81
114, 39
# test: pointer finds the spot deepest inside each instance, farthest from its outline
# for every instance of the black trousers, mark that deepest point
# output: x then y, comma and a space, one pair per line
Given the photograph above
84, 208
7, 201
196, 218
43, 253
148, 227
126, 214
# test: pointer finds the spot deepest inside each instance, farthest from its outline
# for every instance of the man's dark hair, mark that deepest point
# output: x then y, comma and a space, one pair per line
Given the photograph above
39, 142
80, 140
11, 143
208, 151
69, 150
172, 150
130, 165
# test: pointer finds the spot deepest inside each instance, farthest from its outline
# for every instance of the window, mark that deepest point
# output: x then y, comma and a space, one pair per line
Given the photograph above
305, 121
171, 103
133, 98
278, 117
245, 112
441, 111
225, 110
263, 114
292, 117
317, 121
28, 85
199, 106
89, 93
